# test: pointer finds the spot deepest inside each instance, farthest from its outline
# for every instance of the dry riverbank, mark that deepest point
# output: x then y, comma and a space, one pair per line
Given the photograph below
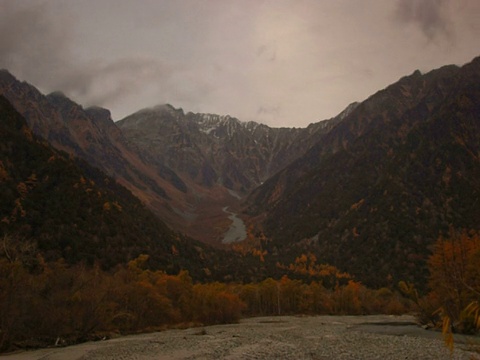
285, 337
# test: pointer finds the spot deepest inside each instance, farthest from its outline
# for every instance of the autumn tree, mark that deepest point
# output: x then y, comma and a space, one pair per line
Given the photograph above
347, 298
269, 297
290, 295
215, 303
306, 265
455, 278
249, 294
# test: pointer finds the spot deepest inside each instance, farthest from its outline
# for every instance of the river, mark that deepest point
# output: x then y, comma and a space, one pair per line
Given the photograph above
237, 231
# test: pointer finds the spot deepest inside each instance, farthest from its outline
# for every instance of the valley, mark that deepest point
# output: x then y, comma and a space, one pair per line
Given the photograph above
239, 179
205, 218
380, 181
215, 156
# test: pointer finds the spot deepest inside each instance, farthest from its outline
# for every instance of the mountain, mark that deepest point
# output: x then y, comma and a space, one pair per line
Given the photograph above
367, 191
212, 149
73, 211
185, 168
91, 134
377, 189
220, 158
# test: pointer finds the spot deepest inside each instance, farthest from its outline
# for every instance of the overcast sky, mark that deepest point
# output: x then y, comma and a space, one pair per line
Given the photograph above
279, 62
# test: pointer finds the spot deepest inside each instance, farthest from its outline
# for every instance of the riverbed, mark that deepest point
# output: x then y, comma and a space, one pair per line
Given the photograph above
237, 231
284, 337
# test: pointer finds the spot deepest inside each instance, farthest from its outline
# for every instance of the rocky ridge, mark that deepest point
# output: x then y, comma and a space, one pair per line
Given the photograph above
91, 134
212, 149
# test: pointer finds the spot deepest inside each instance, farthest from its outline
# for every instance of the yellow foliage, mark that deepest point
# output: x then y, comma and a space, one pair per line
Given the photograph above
253, 244
3, 172
117, 206
81, 300
22, 189
18, 210
138, 264
355, 232
455, 283
357, 205
27, 132
32, 180
174, 250
305, 264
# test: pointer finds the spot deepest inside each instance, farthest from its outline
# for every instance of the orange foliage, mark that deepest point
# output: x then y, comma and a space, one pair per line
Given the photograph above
455, 278
357, 205
287, 296
51, 300
253, 244
3, 172
306, 264
175, 250
215, 304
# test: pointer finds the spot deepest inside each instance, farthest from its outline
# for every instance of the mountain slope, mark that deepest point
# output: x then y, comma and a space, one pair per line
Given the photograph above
373, 194
187, 168
91, 134
220, 158
72, 211
211, 149
184, 173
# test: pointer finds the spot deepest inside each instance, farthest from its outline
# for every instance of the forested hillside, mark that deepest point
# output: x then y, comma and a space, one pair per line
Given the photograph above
91, 135
373, 195
388, 182
70, 210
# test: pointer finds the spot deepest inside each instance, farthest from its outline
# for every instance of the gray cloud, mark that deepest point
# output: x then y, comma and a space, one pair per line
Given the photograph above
268, 52
428, 15
32, 41
37, 44
286, 62
270, 111
100, 83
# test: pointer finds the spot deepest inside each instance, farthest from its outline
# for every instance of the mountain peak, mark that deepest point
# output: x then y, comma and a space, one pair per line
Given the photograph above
98, 112
57, 95
168, 109
6, 76
416, 73
348, 110
159, 111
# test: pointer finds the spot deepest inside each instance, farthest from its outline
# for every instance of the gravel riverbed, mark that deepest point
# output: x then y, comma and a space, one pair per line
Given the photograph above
285, 337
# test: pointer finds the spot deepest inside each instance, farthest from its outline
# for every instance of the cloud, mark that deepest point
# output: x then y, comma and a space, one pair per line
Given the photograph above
33, 42
100, 83
38, 44
429, 15
265, 111
278, 61
268, 52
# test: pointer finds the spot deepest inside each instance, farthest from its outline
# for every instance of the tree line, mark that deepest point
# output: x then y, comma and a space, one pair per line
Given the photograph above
44, 303
52, 302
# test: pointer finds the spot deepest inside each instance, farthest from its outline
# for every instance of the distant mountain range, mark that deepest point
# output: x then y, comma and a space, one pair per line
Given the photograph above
367, 191
211, 149
185, 168
219, 158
